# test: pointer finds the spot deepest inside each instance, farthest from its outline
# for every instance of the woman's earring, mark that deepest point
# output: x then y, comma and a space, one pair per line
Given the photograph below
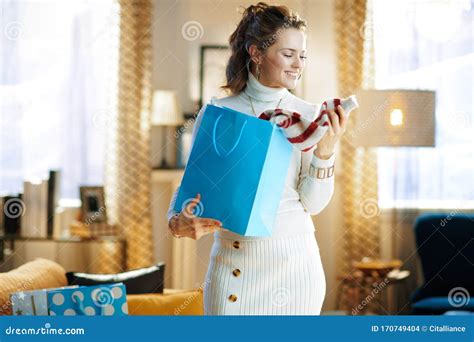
258, 72
299, 76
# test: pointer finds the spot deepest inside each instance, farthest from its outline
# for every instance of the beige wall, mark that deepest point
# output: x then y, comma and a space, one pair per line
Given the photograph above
176, 66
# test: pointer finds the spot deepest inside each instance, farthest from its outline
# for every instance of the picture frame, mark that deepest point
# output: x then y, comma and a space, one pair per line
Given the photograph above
93, 207
214, 60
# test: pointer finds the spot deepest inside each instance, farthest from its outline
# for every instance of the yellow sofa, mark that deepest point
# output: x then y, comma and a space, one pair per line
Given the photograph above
171, 302
43, 273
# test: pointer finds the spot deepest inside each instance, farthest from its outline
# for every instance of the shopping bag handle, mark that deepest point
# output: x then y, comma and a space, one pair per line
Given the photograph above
80, 305
214, 138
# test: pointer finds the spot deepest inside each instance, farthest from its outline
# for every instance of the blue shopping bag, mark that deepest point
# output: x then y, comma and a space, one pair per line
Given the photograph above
101, 300
239, 164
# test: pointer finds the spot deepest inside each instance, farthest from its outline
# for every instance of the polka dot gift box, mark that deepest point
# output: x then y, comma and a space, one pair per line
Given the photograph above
103, 300
32, 303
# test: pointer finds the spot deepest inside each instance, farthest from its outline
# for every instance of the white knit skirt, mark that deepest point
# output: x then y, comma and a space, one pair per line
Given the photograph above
265, 276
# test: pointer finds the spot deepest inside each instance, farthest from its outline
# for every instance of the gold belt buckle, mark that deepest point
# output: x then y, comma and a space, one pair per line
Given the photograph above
322, 172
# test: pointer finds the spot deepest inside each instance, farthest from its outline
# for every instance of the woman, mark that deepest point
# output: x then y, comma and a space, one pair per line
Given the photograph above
281, 274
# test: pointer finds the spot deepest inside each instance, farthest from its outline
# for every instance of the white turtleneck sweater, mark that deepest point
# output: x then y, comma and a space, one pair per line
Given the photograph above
303, 195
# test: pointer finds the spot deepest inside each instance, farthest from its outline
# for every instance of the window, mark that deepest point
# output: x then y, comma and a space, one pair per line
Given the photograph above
428, 45
58, 60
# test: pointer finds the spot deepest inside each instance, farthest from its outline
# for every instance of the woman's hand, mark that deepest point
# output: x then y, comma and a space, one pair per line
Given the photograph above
337, 127
186, 224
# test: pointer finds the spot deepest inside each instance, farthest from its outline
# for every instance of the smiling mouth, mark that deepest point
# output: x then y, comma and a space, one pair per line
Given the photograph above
291, 74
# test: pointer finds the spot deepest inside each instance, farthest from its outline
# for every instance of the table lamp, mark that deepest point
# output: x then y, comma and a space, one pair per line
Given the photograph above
394, 118
165, 113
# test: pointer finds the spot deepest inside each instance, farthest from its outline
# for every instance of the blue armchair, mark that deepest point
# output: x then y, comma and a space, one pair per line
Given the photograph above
445, 245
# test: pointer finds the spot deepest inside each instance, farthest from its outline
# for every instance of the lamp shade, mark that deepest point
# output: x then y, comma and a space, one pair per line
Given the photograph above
395, 117
165, 109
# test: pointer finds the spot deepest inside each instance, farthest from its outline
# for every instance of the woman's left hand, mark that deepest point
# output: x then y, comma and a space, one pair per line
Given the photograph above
337, 127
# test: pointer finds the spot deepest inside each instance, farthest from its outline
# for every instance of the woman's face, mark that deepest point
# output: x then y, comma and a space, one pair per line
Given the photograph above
284, 61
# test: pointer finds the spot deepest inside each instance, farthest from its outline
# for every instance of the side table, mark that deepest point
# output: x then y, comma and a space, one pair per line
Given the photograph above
360, 293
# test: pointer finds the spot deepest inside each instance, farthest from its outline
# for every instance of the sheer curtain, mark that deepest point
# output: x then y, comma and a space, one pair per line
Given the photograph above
57, 61
429, 45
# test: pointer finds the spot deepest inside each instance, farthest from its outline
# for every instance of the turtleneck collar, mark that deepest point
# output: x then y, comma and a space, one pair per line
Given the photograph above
259, 92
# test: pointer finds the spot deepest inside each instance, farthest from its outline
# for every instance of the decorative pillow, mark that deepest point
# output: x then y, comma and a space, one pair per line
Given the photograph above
34, 275
143, 280
183, 303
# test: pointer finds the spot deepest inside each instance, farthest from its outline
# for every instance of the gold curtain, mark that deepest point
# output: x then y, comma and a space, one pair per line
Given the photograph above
128, 167
354, 35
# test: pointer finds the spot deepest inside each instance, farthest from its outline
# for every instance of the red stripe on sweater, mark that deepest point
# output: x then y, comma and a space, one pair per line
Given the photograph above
321, 114
303, 136
289, 122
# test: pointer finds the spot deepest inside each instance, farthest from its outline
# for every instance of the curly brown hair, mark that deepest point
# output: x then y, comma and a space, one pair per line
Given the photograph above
260, 25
